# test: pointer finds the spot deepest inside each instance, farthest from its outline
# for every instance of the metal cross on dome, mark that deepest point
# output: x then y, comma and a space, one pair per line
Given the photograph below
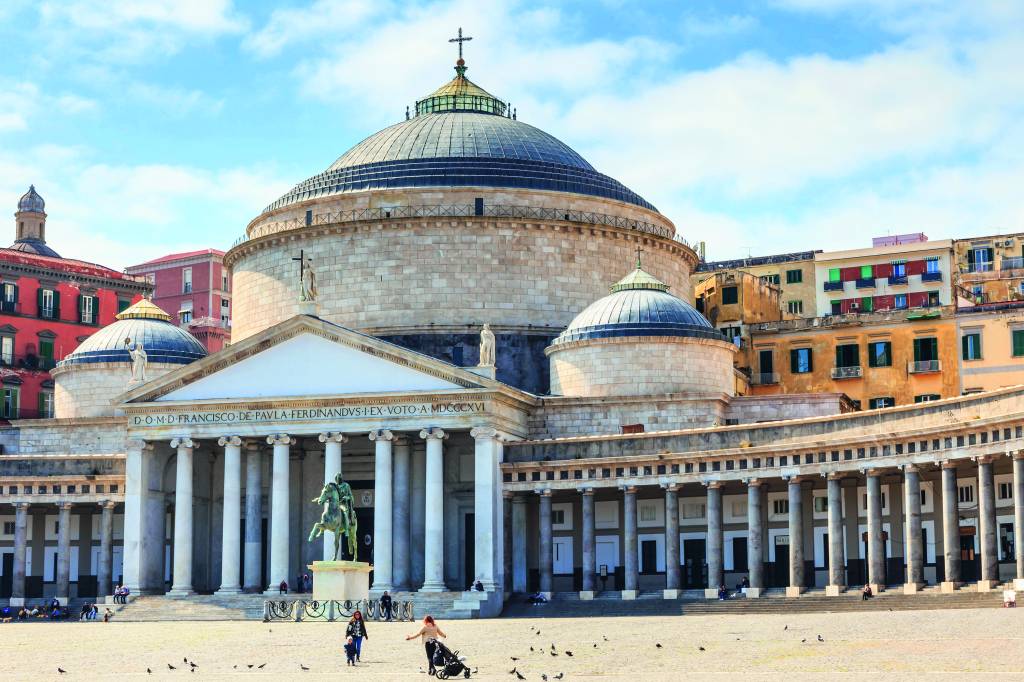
460, 40
301, 258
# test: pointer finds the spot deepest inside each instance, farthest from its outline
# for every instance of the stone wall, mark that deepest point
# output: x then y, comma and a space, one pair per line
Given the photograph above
65, 437
755, 409
642, 366
89, 390
564, 417
387, 276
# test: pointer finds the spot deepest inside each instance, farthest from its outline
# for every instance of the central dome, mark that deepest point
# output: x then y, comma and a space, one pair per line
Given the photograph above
461, 136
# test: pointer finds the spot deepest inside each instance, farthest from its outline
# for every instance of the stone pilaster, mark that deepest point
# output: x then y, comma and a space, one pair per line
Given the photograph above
483, 504
401, 517
589, 554
1018, 518
106, 563
64, 552
20, 543
253, 577
519, 573
138, 547
546, 553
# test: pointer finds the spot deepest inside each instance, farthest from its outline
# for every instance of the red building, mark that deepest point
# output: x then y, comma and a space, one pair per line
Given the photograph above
49, 305
194, 288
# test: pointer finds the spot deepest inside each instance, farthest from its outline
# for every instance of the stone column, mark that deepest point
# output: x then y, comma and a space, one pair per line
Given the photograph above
1018, 518
987, 526
519, 581
20, 543
716, 559
418, 505
105, 569
231, 550
632, 574
383, 535
279, 509
64, 552
546, 554
876, 543
136, 505
506, 536
589, 554
796, 539
401, 518
253, 517
433, 517
673, 582
755, 537
950, 527
181, 583
483, 504
836, 545
332, 467
914, 550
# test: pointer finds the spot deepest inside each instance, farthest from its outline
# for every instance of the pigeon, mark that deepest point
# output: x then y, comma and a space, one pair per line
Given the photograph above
544, 677
260, 666
657, 644
531, 627
802, 641
171, 667
249, 665
61, 670
510, 672
149, 671
303, 667
554, 653
595, 645
786, 628
194, 664
514, 658
559, 676
519, 676
820, 639
702, 648
234, 667
568, 653
552, 646
531, 648
605, 638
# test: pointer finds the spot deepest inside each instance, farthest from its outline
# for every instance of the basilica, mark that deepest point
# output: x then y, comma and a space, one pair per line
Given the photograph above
495, 344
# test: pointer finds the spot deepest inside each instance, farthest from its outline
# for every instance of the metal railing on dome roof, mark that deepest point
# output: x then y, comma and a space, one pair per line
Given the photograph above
461, 211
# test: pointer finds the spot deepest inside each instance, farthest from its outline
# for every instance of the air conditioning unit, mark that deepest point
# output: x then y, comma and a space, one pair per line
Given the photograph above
816, 322
1008, 242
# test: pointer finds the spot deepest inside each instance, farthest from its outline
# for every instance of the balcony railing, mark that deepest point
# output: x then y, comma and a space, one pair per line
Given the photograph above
865, 282
30, 362
854, 372
897, 279
833, 286
1014, 263
981, 266
764, 378
924, 366
931, 276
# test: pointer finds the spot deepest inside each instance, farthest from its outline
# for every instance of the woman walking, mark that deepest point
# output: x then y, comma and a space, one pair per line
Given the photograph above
429, 634
357, 631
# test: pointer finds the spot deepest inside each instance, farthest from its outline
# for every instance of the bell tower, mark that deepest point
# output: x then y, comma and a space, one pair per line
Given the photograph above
31, 217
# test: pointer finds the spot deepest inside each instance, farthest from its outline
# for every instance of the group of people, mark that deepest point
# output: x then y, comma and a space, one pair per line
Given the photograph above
50, 609
121, 593
356, 632
303, 583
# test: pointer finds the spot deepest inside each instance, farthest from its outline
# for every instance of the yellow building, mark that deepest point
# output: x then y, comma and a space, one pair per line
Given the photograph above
989, 269
877, 359
991, 347
792, 273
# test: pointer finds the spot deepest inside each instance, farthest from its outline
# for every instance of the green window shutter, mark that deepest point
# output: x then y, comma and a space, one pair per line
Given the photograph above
833, 275
41, 404
39, 302
80, 306
1018, 343
56, 304
866, 272
867, 304
794, 361
965, 346
15, 296
917, 350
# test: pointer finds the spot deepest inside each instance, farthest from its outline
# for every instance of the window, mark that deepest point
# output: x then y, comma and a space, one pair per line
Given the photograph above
931, 265
795, 307
926, 349
800, 361
46, 352
780, 507
766, 361
45, 405
9, 297
966, 494
770, 279
224, 282
11, 402
927, 398
693, 511
879, 403
971, 346
729, 295
647, 513
87, 309
185, 314
1006, 541
900, 302
821, 504
834, 275
7, 350
867, 304
8, 527
794, 276
837, 308
899, 269
186, 281
880, 354
49, 304
1006, 491
557, 517
866, 272
848, 355
123, 304
224, 304
1018, 342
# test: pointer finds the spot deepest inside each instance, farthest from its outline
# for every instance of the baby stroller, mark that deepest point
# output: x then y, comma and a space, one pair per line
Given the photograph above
449, 664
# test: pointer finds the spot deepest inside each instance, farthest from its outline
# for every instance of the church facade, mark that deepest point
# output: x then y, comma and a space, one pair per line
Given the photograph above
600, 442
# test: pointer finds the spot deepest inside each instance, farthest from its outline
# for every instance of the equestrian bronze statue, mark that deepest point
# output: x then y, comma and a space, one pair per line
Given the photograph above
339, 515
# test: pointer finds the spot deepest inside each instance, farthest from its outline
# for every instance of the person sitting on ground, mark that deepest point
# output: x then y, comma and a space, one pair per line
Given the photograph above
34, 612
866, 593
283, 587
23, 613
86, 610
107, 615
746, 583
5, 614
385, 605
478, 586
350, 651
94, 612
723, 593
429, 634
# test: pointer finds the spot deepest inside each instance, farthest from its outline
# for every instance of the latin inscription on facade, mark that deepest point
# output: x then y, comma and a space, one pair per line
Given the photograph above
443, 409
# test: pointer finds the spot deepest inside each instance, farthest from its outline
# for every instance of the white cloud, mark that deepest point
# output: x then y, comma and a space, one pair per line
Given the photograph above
336, 18
695, 26
174, 101
21, 101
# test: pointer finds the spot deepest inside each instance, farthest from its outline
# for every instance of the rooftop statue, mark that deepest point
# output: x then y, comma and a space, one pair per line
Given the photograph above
339, 515
139, 358
486, 346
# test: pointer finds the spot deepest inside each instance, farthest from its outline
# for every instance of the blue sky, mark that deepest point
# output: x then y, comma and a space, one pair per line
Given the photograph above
779, 125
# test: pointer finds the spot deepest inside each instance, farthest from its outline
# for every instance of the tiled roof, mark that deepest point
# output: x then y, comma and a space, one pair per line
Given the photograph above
62, 264
177, 256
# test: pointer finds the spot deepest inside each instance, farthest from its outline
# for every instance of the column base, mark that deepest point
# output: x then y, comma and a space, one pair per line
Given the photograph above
379, 589
947, 587
987, 585
876, 588
1018, 584
795, 591
229, 590
711, 593
587, 595
433, 587
181, 592
629, 595
252, 589
834, 590
17, 601
754, 592
912, 588
670, 594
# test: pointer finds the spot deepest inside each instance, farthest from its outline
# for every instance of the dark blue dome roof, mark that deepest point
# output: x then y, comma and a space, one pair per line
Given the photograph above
162, 341
30, 201
460, 149
639, 305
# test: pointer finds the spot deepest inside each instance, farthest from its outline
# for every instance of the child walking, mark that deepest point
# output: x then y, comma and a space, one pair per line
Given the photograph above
350, 651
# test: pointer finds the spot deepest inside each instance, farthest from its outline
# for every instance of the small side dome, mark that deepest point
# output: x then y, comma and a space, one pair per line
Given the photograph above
31, 202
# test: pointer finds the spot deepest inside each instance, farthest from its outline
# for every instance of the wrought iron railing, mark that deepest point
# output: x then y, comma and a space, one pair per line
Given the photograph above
461, 211
852, 372
764, 378
924, 366
299, 610
832, 286
931, 276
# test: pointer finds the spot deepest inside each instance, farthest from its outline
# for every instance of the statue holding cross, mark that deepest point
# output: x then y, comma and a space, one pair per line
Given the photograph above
307, 278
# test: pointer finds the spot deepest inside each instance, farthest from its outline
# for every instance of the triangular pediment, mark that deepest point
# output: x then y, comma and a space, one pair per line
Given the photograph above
304, 357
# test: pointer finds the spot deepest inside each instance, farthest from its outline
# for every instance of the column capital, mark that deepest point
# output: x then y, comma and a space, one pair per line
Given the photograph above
64, 505
873, 473
183, 442
252, 444
281, 439
985, 459
229, 440
755, 482
911, 468
587, 491
381, 434
544, 492
479, 432
1017, 455
433, 432
712, 484
950, 464
21, 506
333, 437
138, 444
108, 505
836, 476
669, 487
629, 489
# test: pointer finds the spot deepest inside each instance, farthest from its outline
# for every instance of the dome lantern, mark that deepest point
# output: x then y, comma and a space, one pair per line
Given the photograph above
31, 202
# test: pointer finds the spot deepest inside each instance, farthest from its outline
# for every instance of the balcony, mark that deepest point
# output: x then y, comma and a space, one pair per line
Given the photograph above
865, 282
833, 286
29, 362
931, 276
897, 279
924, 366
1015, 263
981, 266
853, 372
764, 379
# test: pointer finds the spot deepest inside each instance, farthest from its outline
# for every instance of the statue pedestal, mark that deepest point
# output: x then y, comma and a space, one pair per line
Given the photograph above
309, 308
341, 580
482, 370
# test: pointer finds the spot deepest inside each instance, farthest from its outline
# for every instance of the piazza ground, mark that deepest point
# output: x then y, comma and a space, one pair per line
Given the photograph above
900, 643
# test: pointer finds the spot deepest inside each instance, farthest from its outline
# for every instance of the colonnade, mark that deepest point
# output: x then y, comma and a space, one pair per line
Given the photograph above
62, 576
756, 532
